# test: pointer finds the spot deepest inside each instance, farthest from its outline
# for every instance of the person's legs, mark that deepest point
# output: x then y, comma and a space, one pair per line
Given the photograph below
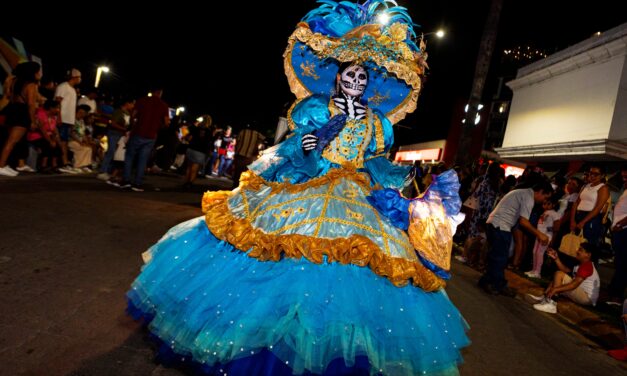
15, 135
64, 135
538, 257
55, 155
112, 143
224, 166
560, 278
625, 318
519, 245
193, 172
132, 148
45, 153
144, 151
82, 154
593, 230
216, 165
621, 354
497, 258
619, 280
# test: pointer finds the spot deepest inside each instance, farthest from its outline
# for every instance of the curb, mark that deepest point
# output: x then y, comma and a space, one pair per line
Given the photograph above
580, 318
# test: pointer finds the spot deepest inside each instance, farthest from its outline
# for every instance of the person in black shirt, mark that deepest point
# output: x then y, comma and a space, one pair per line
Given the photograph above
199, 139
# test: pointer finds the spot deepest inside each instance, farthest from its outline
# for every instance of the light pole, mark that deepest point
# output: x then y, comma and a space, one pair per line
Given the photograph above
440, 33
99, 71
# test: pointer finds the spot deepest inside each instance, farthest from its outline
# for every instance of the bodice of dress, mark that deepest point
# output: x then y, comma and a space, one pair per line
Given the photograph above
360, 145
349, 147
351, 144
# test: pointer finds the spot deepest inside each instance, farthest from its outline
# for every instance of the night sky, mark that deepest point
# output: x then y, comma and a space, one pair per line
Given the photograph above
210, 68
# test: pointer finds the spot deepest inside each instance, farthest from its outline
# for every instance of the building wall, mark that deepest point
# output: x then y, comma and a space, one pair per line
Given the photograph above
575, 105
619, 120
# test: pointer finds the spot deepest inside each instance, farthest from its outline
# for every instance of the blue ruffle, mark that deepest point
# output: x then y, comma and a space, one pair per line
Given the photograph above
287, 162
391, 204
385, 173
434, 268
213, 303
261, 363
446, 187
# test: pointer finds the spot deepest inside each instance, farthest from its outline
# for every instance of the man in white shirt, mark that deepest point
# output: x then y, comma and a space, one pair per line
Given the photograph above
513, 209
619, 244
67, 92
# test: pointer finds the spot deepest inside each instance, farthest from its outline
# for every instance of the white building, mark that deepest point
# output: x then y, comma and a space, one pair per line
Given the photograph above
572, 105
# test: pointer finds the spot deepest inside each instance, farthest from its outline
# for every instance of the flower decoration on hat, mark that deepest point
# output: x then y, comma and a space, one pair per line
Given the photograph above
377, 34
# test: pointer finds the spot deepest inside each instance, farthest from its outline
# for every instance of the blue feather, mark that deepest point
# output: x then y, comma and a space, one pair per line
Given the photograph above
336, 18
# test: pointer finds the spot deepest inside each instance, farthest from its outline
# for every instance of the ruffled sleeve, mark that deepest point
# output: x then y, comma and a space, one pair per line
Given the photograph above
381, 170
287, 161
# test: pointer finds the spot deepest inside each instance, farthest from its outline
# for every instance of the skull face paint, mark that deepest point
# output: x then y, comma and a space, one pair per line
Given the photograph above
353, 81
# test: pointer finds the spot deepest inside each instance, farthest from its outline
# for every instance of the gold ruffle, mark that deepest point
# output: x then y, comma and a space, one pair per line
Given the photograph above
433, 236
290, 121
409, 68
356, 249
249, 180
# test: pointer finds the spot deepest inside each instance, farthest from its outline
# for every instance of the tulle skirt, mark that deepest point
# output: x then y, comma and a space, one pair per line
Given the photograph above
214, 307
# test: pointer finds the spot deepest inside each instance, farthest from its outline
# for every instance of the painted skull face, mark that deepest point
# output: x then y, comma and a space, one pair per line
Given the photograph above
353, 81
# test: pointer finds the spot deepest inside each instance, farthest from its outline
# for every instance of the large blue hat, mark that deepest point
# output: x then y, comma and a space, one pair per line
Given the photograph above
377, 34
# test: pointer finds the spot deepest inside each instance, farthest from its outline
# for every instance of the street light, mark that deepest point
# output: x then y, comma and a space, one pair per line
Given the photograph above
99, 71
440, 33
179, 110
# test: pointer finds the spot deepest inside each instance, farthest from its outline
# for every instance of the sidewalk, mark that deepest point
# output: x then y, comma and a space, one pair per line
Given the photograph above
580, 318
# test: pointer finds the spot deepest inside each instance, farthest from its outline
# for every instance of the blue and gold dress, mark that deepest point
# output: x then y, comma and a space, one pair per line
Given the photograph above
296, 272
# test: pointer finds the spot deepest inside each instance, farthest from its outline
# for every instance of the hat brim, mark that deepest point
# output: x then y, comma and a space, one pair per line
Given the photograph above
308, 73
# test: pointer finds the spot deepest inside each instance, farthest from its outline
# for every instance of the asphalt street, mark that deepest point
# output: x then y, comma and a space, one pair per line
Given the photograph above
71, 245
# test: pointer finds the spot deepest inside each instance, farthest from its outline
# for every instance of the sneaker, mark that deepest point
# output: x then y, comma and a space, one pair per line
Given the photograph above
461, 259
25, 168
548, 306
103, 176
535, 299
614, 301
620, 354
113, 183
86, 170
8, 171
124, 185
67, 169
173, 168
532, 274
137, 188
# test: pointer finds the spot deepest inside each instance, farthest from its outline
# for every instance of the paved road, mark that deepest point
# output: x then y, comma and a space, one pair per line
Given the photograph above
70, 246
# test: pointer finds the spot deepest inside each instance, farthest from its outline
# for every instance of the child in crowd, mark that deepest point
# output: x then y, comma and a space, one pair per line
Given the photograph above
117, 166
45, 137
228, 158
548, 220
580, 284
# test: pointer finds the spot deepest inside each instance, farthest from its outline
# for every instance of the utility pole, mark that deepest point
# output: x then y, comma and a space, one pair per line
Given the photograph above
486, 49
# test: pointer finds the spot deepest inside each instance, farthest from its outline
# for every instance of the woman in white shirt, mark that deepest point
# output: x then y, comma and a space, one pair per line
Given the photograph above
592, 198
